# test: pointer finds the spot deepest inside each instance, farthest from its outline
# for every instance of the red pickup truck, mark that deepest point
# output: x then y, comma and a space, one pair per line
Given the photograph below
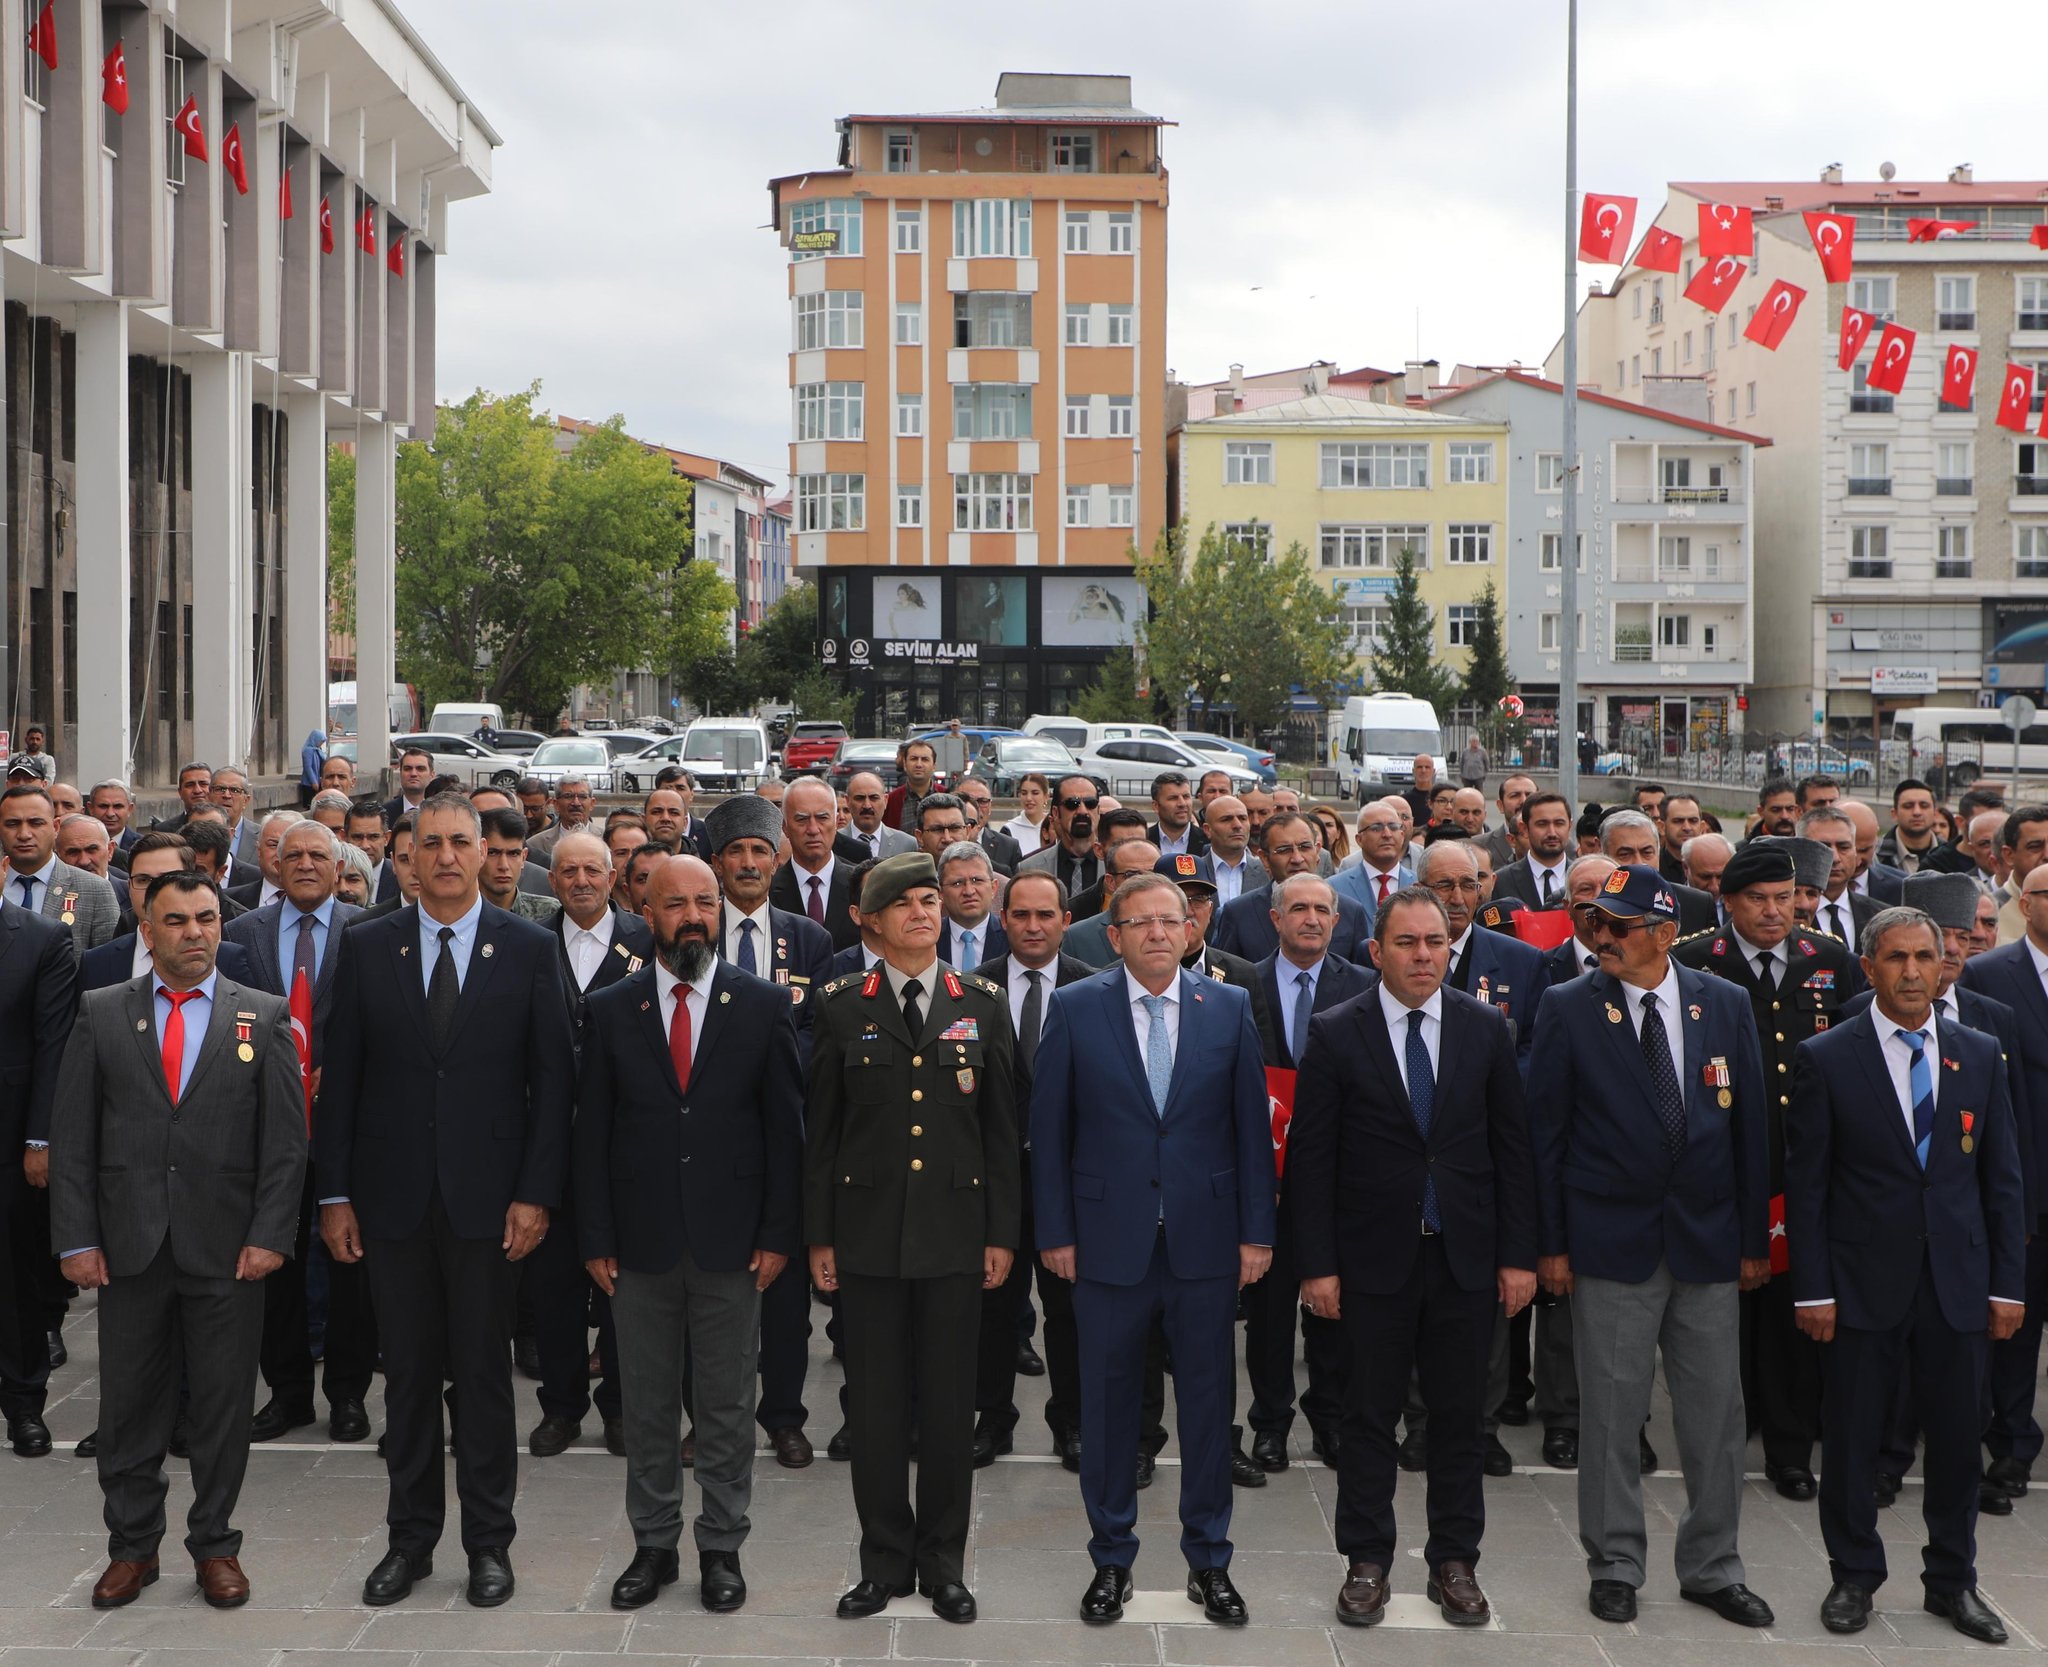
809, 749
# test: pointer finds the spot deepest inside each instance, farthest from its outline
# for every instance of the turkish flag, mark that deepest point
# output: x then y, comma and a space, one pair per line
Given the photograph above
1927, 231
1661, 251
1774, 317
1855, 332
114, 81
1714, 283
231, 158
1545, 928
284, 195
42, 35
1780, 1246
326, 227
1834, 240
396, 259
1894, 355
1604, 226
1959, 375
187, 123
2015, 395
366, 229
1725, 230
302, 1037
2039, 237
1280, 1107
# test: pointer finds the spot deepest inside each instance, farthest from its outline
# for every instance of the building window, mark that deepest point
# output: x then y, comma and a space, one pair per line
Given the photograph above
1247, 463
2032, 295
1674, 630
1749, 399
1549, 547
1122, 232
1461, 624
1656, 361
997, 503
2040, 369
1469, 544
1547, 633
1870, 471
992, 318
1863, 397
1349, 466
1349, 544
1367, 621
909, 323
1077, 506
1123, 325
1550, 472
1122, 506
1253, 535
909, 231
1621, 373
1469, 462
830, 411
1955, 469
1869, 553
899, 154
997, 227
1077, 416
909, 416
991, 411
2030, 473
1687, 347
910, 506
826, 214
1077, 232
832, 319
1073, 153
1121, 424
1079, 332
1872, 293
831, 503
1956, 301
1952, 559
1674, 558
2030, 553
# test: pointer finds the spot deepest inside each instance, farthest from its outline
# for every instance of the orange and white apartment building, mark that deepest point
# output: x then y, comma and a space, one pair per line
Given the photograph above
977, 372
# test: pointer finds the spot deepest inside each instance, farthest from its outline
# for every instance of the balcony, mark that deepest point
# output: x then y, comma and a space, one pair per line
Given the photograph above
1656, 314
1870, 569
1870, 486
2030, 486
1678, 494
1953, 486
1630, 652
1664, 571
1869, 402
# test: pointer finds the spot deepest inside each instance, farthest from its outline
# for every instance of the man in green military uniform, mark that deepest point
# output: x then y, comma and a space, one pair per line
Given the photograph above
1796, 980
911, 1210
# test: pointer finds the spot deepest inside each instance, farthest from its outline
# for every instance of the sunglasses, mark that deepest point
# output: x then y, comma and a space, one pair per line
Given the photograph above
1597, 921
1079, 804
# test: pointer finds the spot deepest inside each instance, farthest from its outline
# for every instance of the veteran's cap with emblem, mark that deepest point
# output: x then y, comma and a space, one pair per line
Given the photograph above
1499, 915
1190, 873
1762, 862
890, 878
1950, 898
1637, 892
746, 816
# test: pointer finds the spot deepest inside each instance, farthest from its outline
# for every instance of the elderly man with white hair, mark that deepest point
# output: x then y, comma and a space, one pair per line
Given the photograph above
267, 885
83, 842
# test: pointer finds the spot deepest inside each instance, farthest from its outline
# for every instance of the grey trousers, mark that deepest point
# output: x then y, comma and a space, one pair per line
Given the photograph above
1619, 1329
148, 1323
664, 1321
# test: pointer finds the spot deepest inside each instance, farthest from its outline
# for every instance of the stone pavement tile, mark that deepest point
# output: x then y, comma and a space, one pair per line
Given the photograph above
1247, 1646
1021, 1584
1017, 1641
204, 1658
1687, 1621
506, 1629
191, 1625
304, 1574
43, 1568
664, 1629
1914, 1629
1382, 1646
1028, 1520
329, 1508
1626, 1651
51, 1625
347, 1658
1964, 1653
556, 1573
37, 1657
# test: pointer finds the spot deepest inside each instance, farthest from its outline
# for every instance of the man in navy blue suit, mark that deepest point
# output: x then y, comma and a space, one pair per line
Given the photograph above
1904, 1210
1647, 1106
1245, 926
1502, 971
1152, 1180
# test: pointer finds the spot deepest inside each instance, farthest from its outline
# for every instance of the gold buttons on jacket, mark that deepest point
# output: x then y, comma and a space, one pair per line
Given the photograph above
917, 1059
917, 1128
917, 1093
917, 1163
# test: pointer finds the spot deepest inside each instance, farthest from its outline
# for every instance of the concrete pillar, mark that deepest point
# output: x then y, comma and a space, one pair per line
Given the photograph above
305, 571
376, 511
100, 531
221, 693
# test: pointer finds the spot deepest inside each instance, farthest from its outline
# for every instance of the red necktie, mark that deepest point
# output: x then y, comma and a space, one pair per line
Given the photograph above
815, 907
1386, 888
174, 1037
679, 1036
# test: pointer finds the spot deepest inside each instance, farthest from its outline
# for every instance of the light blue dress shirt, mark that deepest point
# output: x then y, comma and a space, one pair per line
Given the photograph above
459, 946
1288, 976
288, 916
198, 1015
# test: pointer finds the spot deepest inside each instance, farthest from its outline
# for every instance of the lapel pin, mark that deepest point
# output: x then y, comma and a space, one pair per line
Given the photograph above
724, 996
645, 1005
1693, 1011
489, 949
1614, 1015
142, 1024
405, 949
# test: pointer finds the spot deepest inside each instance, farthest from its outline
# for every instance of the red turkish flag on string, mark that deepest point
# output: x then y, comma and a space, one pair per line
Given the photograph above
2041, 433
302, 1036
1661, 251
42, 35
1725, 230
1855, 332
114, 81
1780, 306
1927, 231
2038, 237
1894, 355
1780, 1246
231, 159
396, 259
326, 227
187, 123
1834, 240
1714, 283
1959, 375
2016, 395
1604, 226
284, 195
1280, 1109
366, 229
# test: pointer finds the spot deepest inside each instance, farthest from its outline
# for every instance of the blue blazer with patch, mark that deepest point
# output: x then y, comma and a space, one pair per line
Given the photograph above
2007, 974
1516, 975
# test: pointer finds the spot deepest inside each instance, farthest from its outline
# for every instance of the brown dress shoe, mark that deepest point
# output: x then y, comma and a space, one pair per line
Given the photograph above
792, 1448
1454, 1589
222, 1581
123, 1582
1363, 1600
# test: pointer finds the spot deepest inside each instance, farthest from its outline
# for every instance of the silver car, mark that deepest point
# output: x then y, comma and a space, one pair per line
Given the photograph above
585, 756
467, 761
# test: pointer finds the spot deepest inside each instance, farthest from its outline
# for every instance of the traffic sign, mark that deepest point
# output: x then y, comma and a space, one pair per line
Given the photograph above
2018, 712
1511, 705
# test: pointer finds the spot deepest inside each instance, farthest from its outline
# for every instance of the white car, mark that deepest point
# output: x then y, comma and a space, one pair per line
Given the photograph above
1131, 767
581, 755
464, 759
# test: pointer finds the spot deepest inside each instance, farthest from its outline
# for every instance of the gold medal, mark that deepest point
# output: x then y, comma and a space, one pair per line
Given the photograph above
1724, 1099
245, 1053
68, 918
1969, 1145
1614, 1015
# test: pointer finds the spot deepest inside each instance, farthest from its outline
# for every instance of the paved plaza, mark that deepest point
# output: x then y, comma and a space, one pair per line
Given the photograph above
313, 1514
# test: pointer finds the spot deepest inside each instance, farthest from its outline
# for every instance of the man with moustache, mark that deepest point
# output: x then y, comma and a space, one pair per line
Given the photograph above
1072, 856
1289, 845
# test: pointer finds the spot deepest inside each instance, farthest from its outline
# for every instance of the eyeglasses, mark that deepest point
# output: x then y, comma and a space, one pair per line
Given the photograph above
1079, 804
1597, 921
1145, 923
1301, 850
1454, 885
948, 828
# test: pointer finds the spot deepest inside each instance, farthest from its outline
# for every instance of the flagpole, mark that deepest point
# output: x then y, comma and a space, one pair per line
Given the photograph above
1568, 540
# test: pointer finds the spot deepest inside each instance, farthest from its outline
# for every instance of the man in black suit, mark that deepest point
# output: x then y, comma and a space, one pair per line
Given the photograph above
442, 1145
1842, 911
195, 783
1538, 877
1174, 830
266, 884
1289, 845
1413, 1194
299, 937
1904, 1204
689, 1172
415, 770
813, 882
1004, 853
1629, 837
368, 829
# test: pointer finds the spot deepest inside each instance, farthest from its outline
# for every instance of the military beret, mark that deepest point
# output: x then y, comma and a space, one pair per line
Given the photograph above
1950, 898
744, 816
890, 878
1499, 915
1762, 862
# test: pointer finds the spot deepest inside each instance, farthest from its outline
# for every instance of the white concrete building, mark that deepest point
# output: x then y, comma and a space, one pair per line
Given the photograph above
180, 352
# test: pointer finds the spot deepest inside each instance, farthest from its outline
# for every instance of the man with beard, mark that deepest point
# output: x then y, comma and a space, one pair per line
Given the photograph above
1072, 855
688, 1165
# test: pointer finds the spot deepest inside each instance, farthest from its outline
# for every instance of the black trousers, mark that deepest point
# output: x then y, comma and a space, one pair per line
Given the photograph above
905, 1338
349, 1357
1781, 1375
2015, 1368
1946, 1371
1444, 1335
564, 1302
444, 1308
24, 1309
1270, 1306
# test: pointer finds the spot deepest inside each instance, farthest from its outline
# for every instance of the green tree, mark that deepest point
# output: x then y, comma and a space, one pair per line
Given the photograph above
526, 567
1487, 678
783, 649
341, 538
817, 697
1405, 661
711, 682
1113, 697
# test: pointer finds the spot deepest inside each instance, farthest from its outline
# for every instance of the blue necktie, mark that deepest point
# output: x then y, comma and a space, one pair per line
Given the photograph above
1304, 1004
1663, 1069
966, 951
1158, 1054
27, 882
1922, 1079
747, 961
1422, 1097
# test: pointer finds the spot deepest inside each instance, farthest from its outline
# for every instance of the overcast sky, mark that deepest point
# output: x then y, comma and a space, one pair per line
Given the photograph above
1348, 177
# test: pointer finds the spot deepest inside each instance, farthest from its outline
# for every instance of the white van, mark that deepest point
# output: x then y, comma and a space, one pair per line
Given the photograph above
1378, 739
466, 717
1949, 747
727, 755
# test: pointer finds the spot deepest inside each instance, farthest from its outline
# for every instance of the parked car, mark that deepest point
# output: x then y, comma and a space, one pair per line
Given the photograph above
624, 743
1226, 751
1128, 768
877, 755
810, 748
580, 755
520, 741
464, 759
727, 755
1004, 760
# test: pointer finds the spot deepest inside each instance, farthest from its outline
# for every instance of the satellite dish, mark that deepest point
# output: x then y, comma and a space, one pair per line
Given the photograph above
1887, 171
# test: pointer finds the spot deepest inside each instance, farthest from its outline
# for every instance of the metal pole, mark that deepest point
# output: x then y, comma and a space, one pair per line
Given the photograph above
1568, 541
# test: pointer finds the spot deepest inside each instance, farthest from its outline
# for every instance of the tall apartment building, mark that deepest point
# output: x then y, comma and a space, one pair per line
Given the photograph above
1900, 542
977, 371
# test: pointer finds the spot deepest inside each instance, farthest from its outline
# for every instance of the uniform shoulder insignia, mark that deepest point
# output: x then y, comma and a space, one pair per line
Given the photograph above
1694, 937
987, 986
843, 981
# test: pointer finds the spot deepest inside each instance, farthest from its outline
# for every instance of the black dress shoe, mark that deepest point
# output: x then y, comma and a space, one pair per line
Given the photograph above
615, 1437
1735, 1602
552, 1435
181, 1443
952, 1601
1561, 1452
1512, 1412
88, 1445
1243, 1473
1028, 1362
347, 1421
59, 1354
1888, 1487
1269, 1450
1497, 1460
870, 1597
1846, 1608
1211, 1588
1107, 1593
1991, 1501
391, 1581
1413, 1453
2010, 1476
990, 1445
275, 1418
1794, 1481
1646, 1455
490, 1577
650, 1570
1612, 1600
1323, 1444
721, 1587
1068, 1447
29, 1436
526, 1356
1146, 1465
1968, 1614
840, 1447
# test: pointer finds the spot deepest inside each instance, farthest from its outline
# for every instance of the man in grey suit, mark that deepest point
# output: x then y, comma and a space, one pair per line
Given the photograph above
39, 882
866, 798
177, 1153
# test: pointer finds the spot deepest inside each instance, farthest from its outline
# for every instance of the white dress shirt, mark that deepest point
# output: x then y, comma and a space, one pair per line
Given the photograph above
1779, 959
587, 949
2040, 962
1020, 987
764, 938
1667, 1010
1838, 911
141, 961
1141, 1016
38, 886
1373, 876
803, 878
698, 996
1536, 872
1396, 1015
